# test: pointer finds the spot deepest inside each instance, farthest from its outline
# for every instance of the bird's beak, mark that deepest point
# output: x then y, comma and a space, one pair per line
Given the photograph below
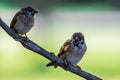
35, 11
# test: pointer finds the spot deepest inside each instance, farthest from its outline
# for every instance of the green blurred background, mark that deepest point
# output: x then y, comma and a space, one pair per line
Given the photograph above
56, 21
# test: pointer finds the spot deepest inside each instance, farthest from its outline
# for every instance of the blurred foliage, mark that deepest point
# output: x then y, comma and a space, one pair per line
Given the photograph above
44, 5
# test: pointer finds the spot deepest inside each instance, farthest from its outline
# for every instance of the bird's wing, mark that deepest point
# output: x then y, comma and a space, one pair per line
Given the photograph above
14, 20
63, 48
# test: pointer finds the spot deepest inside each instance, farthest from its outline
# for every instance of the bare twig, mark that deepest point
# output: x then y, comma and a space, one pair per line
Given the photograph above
37, 49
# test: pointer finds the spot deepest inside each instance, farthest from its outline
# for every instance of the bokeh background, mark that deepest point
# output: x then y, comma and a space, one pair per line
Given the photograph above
57, 20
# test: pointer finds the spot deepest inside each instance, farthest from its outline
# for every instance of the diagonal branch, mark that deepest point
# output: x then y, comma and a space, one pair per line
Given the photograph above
37, 49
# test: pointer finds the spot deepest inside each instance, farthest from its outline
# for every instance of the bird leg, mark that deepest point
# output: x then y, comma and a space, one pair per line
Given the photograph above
26, 36
78, 67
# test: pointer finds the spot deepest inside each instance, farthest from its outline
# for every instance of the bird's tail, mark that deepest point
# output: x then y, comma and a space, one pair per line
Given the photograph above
51, 64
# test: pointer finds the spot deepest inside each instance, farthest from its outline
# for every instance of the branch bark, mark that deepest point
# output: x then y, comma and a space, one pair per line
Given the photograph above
39, 50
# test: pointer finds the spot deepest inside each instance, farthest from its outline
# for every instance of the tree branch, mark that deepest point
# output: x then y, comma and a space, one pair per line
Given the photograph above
37, 49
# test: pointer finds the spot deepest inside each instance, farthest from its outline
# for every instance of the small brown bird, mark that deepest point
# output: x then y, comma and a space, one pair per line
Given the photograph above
72, 50
23, 21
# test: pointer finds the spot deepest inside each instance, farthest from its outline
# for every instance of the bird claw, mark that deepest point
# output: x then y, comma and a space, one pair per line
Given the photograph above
26, 36
51, 53
67, 63
78, 67
18, 40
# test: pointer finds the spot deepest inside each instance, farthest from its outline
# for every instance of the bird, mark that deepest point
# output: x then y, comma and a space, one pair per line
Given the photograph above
72, 50
23, 20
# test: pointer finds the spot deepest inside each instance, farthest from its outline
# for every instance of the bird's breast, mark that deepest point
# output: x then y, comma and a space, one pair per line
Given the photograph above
75, 55
73, 59
23, 25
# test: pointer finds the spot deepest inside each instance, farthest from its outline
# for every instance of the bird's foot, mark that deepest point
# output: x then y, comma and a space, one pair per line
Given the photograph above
78, 67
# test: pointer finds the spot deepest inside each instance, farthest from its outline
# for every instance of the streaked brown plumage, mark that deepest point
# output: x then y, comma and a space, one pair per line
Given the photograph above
23, 20
72, 50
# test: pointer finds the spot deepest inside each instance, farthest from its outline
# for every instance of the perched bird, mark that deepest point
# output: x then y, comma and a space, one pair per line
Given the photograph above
72, 50
23, 21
